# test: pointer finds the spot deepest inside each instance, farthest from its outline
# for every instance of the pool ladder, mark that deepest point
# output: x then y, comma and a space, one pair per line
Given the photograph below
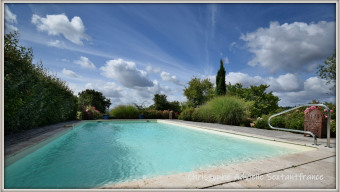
306, 132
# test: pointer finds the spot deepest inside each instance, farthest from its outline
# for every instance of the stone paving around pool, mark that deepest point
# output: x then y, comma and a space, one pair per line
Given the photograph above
313, 169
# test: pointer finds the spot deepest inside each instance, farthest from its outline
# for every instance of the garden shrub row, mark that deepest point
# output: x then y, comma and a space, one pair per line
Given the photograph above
228, 110
131, 112
32, 96
293, 120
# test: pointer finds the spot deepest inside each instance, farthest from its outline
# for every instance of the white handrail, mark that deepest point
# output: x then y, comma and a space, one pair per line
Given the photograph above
307, 132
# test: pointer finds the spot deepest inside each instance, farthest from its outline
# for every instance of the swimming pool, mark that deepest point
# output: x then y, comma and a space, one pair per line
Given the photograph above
96, 154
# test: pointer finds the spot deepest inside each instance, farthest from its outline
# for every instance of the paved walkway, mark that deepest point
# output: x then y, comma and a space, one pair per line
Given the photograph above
287, 136
17, 142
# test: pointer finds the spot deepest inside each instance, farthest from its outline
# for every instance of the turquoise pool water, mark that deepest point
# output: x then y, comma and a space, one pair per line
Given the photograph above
95, 154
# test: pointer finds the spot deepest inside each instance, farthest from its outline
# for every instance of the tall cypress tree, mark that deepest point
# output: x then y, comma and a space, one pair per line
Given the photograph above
220, 81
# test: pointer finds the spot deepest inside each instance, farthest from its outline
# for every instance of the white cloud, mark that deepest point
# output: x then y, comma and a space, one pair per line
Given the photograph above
226, 60
289, 82
10, 18
70, 73
314, 88
60, 25
291, 47
85, 62
142, 95
232, 45
315, 84
109, 89
152, 70
244, 79
283, 83
56, 43
65, 60
126, 73
170, 78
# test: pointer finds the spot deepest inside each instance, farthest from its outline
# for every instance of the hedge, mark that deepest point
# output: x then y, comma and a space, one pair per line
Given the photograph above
32, 96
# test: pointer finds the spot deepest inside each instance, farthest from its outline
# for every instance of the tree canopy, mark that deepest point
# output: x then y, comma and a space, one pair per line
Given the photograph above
199, 91
263, 102
328, 69
93, 98
160, 102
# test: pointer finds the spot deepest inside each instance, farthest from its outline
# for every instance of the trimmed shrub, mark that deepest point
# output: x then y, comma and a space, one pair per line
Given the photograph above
124, 112
32, 97
156, 114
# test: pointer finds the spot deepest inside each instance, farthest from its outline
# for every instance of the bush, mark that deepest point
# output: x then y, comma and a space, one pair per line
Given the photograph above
278, 121
225, 109
90, 113
291, 120
186, 114
262, 123
156, 114
246, 122
124, 112
333, 128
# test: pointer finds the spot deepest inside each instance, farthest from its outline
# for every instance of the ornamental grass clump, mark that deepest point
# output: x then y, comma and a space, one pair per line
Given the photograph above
226, 110
186, 114
124, 112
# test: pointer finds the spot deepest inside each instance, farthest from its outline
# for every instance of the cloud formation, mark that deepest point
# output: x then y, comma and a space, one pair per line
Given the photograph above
291, 47
109, 89
153, 70
314, 88
70, 73
289, 87
287, 82
85, 63
126, 73
226, 60
73, 30
56, 43
10, 19
170, 78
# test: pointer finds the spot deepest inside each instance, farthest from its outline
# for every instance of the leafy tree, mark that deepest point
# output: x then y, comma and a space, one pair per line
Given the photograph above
263, 103
160, 102
328, 70
199, 91
175, 106
220, 80
93, 98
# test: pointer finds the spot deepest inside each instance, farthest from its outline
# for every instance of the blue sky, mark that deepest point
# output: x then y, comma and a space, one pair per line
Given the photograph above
132, 51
